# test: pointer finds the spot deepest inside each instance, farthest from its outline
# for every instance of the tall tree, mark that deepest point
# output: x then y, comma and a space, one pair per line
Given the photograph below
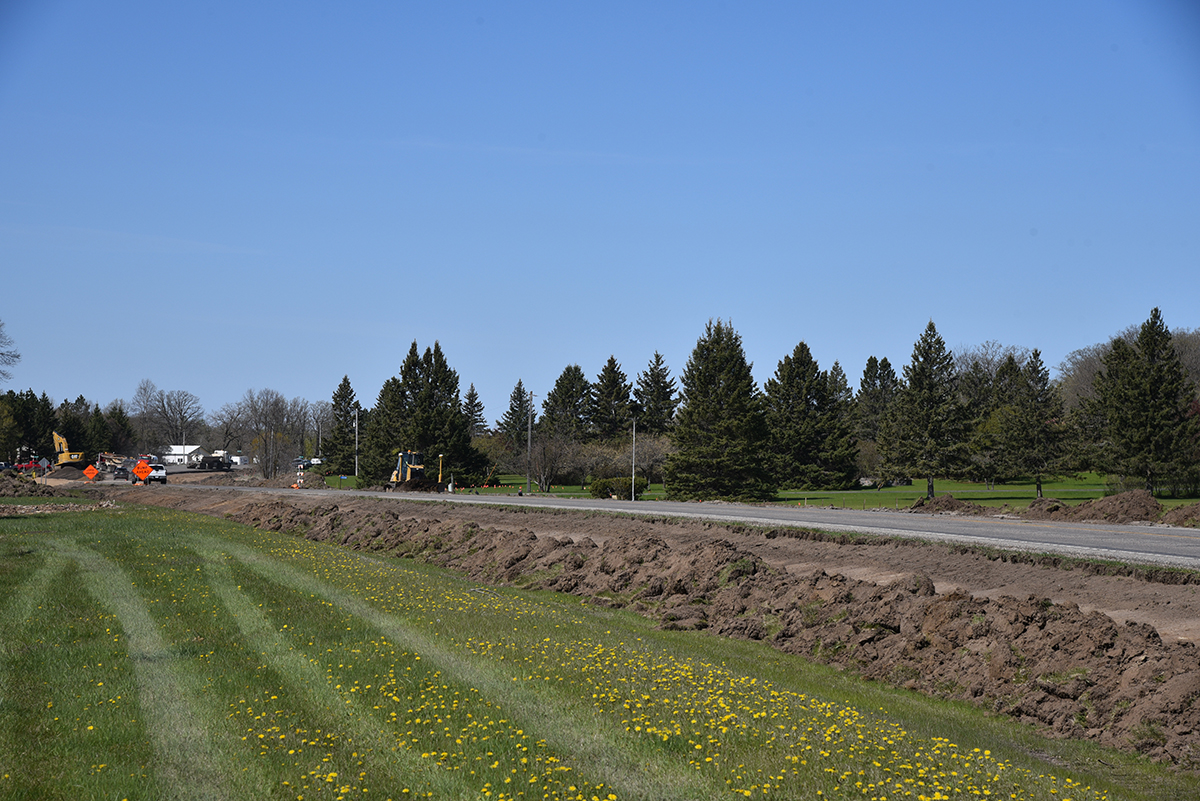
839, 449
1031, 428
473, 409
656, 397
720, 429
567, 406
796, 400
435, 423
923, 433
9, 355
340, 446
610, 413
1143, 397
513, 426
876, 391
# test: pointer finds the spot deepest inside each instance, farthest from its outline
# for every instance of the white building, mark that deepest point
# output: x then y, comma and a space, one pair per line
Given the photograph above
181, 454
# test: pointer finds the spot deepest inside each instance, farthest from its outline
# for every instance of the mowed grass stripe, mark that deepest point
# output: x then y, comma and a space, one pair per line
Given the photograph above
402, 767
186, 767
598, 750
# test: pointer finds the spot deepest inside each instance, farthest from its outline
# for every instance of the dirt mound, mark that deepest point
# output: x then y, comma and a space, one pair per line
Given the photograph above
947, 505
1137, 506
67, 473
14, 485
1074, 672
1184, 516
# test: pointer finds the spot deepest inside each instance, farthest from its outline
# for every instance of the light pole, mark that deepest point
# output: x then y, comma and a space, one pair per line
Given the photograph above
633, 466
529, 447
356, 442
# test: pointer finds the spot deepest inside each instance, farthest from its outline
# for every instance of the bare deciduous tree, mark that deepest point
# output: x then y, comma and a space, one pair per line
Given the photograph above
8, 354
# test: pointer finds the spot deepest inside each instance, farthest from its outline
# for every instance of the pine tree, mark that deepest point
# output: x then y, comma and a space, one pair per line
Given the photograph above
99, 435
473, 409
382, 438
610, 415
566, 408
720, 429
1031, 429
514, 425
340, 444
876, 391
923, 433
1143, 396
655, 394
796, 400
839, 450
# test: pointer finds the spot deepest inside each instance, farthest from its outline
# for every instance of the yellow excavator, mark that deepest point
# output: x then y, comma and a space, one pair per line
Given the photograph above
65, 455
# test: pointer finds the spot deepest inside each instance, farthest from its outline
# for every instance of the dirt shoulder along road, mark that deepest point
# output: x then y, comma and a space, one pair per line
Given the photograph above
1106, 657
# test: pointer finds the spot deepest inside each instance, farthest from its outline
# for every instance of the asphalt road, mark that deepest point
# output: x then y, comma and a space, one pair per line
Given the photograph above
1138, 544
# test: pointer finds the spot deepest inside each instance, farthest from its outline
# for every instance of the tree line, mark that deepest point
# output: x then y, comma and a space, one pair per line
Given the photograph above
1127, 408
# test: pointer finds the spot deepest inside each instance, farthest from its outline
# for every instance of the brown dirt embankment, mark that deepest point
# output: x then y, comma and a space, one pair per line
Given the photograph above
1081, 655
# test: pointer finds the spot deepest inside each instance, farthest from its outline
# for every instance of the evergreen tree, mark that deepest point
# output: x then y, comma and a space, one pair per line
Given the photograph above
839, 450
876, 391
72, 425
99, 435
720, 429
566, 408
473, 409
436, 423
514, 425
122, 437
1030, 423
340, 444
1143, 397
655, 395
923, 433
382, 437
610, 413
796, 400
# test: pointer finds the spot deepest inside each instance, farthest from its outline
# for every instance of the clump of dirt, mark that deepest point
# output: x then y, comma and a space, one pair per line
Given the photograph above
948, 505
1138, 506
15, 485
1184, 516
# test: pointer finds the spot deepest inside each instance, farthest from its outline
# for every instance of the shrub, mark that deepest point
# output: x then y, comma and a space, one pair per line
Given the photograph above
617, 487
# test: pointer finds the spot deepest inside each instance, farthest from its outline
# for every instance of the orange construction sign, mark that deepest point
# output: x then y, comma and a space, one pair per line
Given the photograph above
91, 472
142, 470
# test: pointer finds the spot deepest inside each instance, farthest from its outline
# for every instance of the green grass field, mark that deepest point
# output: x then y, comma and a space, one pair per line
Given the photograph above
149, 654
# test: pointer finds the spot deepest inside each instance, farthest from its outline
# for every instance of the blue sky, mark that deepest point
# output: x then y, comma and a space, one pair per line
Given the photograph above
226, 196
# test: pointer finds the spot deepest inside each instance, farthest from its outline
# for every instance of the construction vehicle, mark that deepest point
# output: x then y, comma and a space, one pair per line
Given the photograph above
409, 465
65, 455
211, 463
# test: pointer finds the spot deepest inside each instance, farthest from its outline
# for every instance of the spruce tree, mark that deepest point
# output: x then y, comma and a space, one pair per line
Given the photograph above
339, 445
1143, 397
513, 426
720, 429
567, 406
839, 449
796, 400
610, 415
473, 409
382, 438
876, 391
1031, 432
655, 394
923, 433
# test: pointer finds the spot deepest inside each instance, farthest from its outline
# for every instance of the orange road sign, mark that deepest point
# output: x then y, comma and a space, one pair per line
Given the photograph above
142, 470
91, 472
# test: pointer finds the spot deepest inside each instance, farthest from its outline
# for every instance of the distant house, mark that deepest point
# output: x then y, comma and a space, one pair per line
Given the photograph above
181, 454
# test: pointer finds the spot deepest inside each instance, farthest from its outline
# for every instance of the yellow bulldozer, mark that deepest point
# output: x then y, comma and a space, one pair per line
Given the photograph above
65, 455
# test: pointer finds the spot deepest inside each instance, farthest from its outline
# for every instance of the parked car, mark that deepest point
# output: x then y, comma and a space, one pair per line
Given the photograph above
3, 465
158, 472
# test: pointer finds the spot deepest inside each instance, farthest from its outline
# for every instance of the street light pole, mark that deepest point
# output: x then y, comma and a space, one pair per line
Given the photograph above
633, 466
356, 443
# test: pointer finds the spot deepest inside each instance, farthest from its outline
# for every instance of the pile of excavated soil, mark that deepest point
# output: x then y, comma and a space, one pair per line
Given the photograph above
948, 505
14, 485
67, 473
1183, 516
1126, 507
1077, 655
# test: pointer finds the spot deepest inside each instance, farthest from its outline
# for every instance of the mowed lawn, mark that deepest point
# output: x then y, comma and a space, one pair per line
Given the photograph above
150, 654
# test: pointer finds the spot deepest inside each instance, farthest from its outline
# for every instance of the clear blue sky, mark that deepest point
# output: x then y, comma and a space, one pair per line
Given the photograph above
223, 196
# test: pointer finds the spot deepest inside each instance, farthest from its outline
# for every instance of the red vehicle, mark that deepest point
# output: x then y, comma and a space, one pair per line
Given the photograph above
25, 465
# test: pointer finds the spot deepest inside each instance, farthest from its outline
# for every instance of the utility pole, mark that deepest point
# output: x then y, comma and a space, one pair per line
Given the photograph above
529, 447
633, 466
356, 442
